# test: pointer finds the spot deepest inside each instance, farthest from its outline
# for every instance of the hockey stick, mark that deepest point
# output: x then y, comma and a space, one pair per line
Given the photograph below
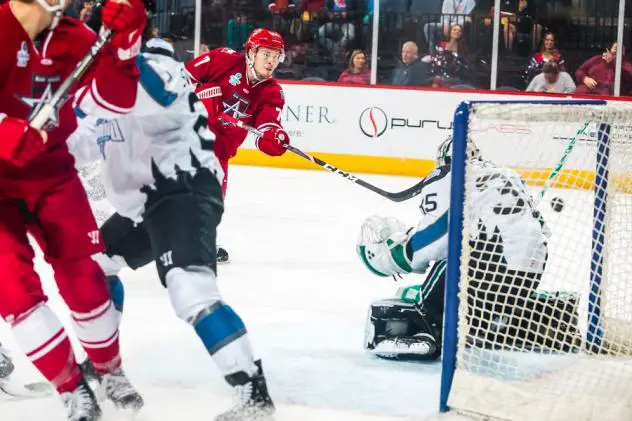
558, 168
50, 109
394, 196
25, 391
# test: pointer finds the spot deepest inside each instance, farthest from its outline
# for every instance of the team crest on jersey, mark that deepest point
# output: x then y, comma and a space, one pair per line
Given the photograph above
108, 131
42, 89
235, 79
23, 55
236, 108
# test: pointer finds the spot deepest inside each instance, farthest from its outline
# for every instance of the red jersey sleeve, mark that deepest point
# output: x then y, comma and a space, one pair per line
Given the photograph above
269, 110
105, 90
207, 67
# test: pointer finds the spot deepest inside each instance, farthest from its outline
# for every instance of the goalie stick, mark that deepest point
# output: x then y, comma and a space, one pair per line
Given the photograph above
401, 196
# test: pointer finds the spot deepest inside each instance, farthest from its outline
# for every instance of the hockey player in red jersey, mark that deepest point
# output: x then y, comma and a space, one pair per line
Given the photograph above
41, 194
242, 86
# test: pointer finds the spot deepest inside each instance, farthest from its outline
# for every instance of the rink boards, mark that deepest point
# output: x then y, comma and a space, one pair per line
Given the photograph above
397, 131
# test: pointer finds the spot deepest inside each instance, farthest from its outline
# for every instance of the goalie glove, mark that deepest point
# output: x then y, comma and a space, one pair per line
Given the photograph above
382, 246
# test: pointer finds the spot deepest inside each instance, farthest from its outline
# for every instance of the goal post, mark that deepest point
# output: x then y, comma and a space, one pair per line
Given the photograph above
560, 347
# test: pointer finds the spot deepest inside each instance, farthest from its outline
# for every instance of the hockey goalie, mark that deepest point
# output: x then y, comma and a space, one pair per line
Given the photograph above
508, 239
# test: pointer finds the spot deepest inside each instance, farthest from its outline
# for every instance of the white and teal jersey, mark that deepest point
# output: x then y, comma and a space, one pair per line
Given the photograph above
165, 133
500, 206
430, 240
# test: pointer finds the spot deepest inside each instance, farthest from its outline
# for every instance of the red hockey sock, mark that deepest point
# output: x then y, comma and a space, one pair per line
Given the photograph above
45, 342
98, 332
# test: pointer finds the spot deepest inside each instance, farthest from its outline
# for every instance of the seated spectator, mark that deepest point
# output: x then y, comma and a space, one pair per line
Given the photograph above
339, 32
552, 80
411, 71
357, 72
449, 63
596, 75
452, 12
548, 52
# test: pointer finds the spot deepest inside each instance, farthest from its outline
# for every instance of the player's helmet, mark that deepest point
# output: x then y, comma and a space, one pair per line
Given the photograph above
262, 37
444, 152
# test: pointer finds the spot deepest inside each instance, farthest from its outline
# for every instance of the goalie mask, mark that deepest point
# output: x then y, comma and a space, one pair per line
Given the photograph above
444, 152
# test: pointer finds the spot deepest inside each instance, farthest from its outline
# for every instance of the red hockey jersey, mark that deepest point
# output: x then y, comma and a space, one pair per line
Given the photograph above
30, 72
257, 104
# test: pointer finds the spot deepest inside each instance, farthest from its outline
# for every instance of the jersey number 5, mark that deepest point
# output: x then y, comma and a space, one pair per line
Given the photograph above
429, 203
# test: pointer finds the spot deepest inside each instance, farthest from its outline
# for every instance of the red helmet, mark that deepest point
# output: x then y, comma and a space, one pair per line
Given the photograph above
265, 38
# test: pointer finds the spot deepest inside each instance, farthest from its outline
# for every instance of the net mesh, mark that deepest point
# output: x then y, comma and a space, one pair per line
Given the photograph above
531, 346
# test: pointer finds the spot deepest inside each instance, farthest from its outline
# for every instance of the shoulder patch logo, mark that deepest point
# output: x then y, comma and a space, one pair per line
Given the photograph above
235, 79
23, 55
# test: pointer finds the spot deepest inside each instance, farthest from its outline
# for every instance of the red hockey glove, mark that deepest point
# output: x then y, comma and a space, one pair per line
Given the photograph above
20, 142
272, 141
127, 18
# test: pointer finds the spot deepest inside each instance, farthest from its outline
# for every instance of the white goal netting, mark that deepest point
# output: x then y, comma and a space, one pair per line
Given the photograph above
551, 344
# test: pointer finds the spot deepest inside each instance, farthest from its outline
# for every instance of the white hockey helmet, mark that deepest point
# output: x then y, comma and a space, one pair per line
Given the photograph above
444, 152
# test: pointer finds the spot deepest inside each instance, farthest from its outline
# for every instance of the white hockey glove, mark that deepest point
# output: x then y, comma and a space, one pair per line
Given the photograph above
382, 246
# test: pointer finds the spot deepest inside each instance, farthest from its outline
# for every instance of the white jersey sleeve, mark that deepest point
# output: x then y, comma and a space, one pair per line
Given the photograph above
166, 133
430, 240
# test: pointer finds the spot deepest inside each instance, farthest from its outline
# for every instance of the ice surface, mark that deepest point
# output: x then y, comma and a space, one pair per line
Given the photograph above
297, 283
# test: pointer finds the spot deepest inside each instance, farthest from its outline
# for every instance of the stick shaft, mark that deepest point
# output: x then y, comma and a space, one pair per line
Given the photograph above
394, 196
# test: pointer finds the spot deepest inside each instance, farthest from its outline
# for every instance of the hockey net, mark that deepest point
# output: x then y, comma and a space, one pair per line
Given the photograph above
563, 350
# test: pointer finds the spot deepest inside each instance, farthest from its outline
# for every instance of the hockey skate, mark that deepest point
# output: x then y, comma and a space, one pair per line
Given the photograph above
252, 401
222, 255
117, 388
6, 365
90, 374
81, 404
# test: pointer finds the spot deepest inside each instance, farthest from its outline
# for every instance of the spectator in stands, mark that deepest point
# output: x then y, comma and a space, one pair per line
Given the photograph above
280, 6
339, 32
521, 31
596, 75
312, 7
358, 72
552, 80
452, 12
449, 63
238, 29
548, 52
411, 71
86, 11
